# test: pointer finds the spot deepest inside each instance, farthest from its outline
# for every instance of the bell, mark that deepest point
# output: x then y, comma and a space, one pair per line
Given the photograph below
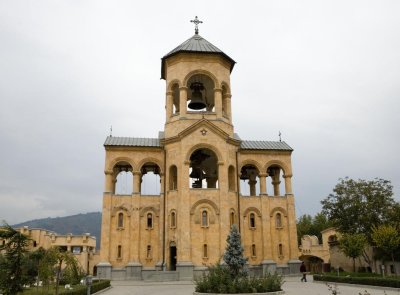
196, 102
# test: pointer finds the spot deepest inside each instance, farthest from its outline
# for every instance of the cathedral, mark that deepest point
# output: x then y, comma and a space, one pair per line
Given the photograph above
206, 178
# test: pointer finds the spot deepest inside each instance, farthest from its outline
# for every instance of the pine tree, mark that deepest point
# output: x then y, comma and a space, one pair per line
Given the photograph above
233, 256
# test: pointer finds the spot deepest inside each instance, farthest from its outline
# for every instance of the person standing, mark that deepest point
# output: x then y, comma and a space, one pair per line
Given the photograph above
303, 270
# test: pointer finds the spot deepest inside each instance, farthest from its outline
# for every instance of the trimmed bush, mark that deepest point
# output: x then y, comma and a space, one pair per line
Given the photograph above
219, 280
370, 281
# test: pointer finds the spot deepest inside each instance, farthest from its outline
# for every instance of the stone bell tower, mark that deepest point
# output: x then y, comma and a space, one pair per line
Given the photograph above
207, 179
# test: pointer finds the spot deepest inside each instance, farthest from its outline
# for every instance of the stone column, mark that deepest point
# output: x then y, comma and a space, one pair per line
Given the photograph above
263, 184
275, 183
288, 184
168, 105
228, 106
183, 96
218, 102
109, 183
252, 184
137, 179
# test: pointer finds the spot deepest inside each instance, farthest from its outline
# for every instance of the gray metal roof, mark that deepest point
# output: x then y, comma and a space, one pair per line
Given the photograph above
131, 141
195, 44
265, 145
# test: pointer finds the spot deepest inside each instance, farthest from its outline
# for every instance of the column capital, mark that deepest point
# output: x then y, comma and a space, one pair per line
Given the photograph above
217, 90
287, 176
169, 93
108, 172
263, 174
183, 88
136, 173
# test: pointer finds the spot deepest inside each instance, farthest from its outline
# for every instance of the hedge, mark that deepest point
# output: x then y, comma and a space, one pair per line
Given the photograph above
82, 290
370, 281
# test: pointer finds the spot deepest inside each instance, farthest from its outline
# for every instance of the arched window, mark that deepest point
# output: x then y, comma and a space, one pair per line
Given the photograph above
203, 169
148, 253
231, 178
278, 220
253, 250
232, 218
120, 220
252, 220
119, 252
34, 244
204, 218
149, 220
275, 185
280, 250
173, 178
175, 99
205, 251
200, 93
173, 219
123, 182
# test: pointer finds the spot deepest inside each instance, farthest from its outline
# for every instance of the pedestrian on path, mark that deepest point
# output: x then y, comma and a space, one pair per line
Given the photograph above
303, 270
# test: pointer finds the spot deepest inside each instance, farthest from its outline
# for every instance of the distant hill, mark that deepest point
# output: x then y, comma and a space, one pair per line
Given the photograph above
75, 224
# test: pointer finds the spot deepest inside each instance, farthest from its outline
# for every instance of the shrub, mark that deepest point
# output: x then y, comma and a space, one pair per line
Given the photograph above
219, 280
371, 281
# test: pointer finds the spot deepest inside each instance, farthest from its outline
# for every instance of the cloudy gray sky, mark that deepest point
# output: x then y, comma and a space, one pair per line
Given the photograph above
324, 73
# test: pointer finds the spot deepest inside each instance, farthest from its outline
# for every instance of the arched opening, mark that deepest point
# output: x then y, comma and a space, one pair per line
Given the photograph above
280, 250
151, 182
172, 256
203, 169
201, 93
250, 174
149, 221
173, 178
123, 179
275, 185
231, 178
224, 102
232, 218
204, 218
119, 252
175, 99
253, 250
252, 220
205, 251
173, 219
94, 271
148, 252
120, 220
278, 220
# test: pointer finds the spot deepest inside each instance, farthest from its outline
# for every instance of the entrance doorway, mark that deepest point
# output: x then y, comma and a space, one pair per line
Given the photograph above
172, 256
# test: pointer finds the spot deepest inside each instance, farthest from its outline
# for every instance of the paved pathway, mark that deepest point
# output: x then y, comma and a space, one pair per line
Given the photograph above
292, 286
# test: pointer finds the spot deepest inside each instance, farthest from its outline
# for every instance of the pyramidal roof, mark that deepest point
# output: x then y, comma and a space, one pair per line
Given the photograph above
195, 44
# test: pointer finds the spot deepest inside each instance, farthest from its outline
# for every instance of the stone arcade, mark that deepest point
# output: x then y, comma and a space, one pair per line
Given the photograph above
206, 178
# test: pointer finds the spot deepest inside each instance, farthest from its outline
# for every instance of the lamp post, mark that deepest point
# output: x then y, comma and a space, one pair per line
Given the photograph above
89, 281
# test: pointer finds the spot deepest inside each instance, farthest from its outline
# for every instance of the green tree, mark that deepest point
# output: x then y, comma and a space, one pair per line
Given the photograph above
352, 245
387, 239
356, 205
313, 226
12, 276
233, 256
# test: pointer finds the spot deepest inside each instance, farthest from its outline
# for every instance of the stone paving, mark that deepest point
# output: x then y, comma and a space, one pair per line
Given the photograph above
292, 286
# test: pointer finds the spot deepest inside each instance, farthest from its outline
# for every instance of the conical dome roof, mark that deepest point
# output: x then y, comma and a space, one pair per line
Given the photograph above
195, 44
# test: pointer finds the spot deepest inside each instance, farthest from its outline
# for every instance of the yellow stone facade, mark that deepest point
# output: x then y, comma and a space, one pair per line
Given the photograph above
207, 179
82, 246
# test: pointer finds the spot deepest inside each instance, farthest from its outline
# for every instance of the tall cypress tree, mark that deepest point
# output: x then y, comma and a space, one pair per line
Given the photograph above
233, 256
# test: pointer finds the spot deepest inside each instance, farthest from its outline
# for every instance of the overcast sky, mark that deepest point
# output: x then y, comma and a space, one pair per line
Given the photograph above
324, 73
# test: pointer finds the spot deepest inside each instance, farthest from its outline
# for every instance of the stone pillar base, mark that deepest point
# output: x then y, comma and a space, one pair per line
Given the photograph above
104, 270
268, 267
185, 270
294, 266
134, 271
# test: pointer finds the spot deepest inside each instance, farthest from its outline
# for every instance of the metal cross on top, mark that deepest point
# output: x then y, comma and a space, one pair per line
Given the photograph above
196, 21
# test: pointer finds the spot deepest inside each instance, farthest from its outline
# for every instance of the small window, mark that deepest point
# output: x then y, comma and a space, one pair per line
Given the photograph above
280, 250
252, 220
173, 219
205, 251
253, 250
34, 244
148, 253
204, 218
119, 254
278, 220
232, 218
149, 220
120, 220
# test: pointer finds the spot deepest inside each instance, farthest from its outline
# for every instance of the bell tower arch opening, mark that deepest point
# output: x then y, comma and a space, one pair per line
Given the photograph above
201, 93
203, 171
